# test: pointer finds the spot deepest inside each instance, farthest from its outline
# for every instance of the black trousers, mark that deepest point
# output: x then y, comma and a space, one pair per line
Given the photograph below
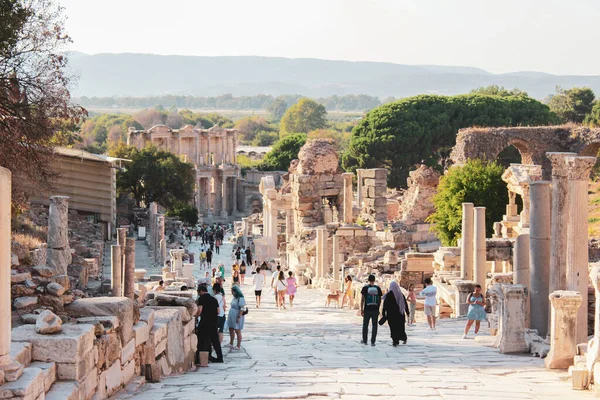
370, 316
208, 336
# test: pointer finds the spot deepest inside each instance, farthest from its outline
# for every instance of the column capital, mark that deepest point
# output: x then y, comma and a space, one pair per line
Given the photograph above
579, 167
565, 299
559, 164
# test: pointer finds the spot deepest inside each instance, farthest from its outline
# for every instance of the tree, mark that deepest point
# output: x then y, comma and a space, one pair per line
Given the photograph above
283, 152
277, 109
495, 90
35, 102
304, 116
155, 176
249, 127
422, 129
475, 182
593, 118
572, 105
264, 138
184, 212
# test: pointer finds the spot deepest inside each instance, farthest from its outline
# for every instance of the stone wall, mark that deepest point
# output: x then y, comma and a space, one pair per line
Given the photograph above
417, 201
373, 187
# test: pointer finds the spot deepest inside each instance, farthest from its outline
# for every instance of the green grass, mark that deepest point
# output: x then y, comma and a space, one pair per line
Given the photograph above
593, 220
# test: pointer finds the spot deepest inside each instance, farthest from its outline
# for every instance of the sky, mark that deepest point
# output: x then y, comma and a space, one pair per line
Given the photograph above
553, 36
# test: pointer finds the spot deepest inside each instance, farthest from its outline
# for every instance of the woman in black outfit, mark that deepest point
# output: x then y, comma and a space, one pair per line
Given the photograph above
395, 310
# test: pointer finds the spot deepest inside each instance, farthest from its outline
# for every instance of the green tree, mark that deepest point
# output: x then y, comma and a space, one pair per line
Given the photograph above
593, 118
304, 116
422, 129
264, 138
283, 152
249, 127
184, 212
154, 175
495, 90
572, 105
277, 109
475, 182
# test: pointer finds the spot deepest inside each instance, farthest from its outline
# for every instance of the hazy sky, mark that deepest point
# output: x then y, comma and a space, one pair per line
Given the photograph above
555, 36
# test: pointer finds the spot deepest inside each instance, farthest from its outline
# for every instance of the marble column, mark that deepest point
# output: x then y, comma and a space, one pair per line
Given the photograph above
121, 238
563, 340
336, 258
560, 218
58, 254
245, 231
348, 195
288, 226
579, 169
479, 247
593, 350
218, 208
10, 370
521, 260
512, 323
129, 278
224, 197
524, 217
321, 233
359, 184
160, 225
116, 271
273, 232
466, 248
234, 194
209, 200
539, 256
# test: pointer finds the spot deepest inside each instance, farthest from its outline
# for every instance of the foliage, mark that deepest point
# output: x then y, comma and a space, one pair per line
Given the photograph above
34, 97
277, 108
593, 118
341, 139
154, 175
249, 127
572, 105
304, 116
184, 212
264, 138
495, 90
283, 152
422, 129
206, 121
475, 182
105, 131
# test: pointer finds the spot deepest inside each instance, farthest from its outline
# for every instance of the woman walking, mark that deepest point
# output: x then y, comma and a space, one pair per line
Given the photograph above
476, 312
347, 291
395, 310
281, 286
236, 317
412, 304
236, 277
242, 272
291, 287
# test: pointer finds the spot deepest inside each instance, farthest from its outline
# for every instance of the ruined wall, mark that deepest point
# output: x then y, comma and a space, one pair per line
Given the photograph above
417, 201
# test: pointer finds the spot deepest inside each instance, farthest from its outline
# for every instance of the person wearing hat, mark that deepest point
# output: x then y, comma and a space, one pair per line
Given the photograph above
369, 309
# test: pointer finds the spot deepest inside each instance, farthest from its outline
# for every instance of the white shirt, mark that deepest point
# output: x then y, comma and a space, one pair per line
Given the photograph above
219, 298
259, 281
274, 277
281, 285
430, 293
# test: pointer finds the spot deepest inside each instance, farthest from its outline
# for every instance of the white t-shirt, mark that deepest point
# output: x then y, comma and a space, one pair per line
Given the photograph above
430, 293
259, 281
219, 298
281, 285
275, 276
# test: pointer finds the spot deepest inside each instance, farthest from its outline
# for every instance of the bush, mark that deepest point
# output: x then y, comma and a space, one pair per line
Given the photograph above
283, 152
185, 213
475, 182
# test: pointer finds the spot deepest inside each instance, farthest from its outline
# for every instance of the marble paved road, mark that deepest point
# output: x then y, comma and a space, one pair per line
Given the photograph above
313, 352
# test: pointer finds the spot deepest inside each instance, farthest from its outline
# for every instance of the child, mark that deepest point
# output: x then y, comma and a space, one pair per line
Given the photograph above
412, 303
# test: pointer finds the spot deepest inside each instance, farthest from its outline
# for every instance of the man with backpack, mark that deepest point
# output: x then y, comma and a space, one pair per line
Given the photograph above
369, 309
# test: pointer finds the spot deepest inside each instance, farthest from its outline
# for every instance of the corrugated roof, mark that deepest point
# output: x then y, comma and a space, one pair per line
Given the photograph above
84, 155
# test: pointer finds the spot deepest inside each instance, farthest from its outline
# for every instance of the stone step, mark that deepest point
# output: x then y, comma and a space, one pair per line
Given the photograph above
63, 390
21, 352
49, 370
28, 387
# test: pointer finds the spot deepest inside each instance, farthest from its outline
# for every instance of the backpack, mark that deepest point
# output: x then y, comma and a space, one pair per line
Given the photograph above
372, 298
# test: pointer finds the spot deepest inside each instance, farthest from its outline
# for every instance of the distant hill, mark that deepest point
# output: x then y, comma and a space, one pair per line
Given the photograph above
153, 75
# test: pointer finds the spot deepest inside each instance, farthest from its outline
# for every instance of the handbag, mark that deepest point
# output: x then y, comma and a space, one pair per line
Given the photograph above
245, 312
382, 320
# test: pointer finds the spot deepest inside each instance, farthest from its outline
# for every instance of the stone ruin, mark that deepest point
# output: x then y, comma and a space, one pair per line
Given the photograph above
417, 201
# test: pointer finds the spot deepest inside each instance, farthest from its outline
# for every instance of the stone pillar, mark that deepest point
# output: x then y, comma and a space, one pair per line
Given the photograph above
273, 232
336, 258
224, 195
479, 256
177, 262
466, 248
524, 218
563, 341
9, 368
116, 261
512, 320
288, 226
160, 228
521, 260
463, 291
539, 256
245, 231
560, 218
579, 169
218, 207
129, 278
348, 195
58, 254
321, 233
234, 209
163, 252
209, 200
359, 184
593, 351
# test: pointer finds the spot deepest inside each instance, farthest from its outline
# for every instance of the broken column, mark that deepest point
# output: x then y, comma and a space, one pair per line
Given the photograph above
116, 261
273, 231
321, 237
121, 238
539, 256
160, 240
593, 350
129, 278
512, 320
479, 256
359, 185
466, 248
579, 169
560, 218
336, 257
348, 197
10, 369
59, 253
563, 323
521, 270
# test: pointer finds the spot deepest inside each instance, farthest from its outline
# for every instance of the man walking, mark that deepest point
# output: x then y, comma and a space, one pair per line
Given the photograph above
209, 255
430, 293
369, 309
208, 311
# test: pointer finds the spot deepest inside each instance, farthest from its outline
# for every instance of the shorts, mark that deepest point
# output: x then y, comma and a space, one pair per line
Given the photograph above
257, 293
430, 311
221, 323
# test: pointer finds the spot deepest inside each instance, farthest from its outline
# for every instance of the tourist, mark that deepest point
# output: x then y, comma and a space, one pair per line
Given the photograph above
348, 292
236, 317
476, 312
160, 287
206, 329
412, 304
430, 293
219, 295
235, 277
274, 278
369, 309
217, 245
238, 255
221, 270
248, 255
259, 282
202, 258
209, 255
394, 311
242, 272
291, 287
281, 287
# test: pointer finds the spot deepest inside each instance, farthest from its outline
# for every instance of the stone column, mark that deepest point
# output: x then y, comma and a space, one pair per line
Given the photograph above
116, 261
245, 231
225, 194
466, 248
288, 226
218, 207
521, 260
479, 256
177, 262
319, 253
273, 232
234, 209
160, 228
560, 218
336, 258
10, 370
593, 351
359, 184
463, 291
563, 341
163, 252
579, 169
539, 256
129, 278
58, 254
209, 201
512, 320
347, 176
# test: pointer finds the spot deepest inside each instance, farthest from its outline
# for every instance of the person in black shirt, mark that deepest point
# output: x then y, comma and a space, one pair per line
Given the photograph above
209, 255
248, 256
206, 330
369, 309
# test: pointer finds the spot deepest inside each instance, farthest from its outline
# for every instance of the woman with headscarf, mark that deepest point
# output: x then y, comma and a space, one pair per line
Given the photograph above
395, 310
236, 317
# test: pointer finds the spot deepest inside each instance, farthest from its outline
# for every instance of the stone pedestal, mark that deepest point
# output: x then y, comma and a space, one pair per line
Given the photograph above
512, 320
466, 248
129, 278
463, 290
479, 256
348, 197
177, 262
539, 256
563, 343
577, 236
116, 269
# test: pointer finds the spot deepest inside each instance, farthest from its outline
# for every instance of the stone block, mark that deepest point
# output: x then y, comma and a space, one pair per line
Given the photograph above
59, 260
69, 345
161, 347
20, 278
141, 332
158, 333
43, 270
49, 371
25, 302
127, 351
55, 289
21, 352
128, 371
53, 302
77, 371
109, 322
167, 300
29, 386
361, 232
110, 380
63, 391
189, 328
89, 384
